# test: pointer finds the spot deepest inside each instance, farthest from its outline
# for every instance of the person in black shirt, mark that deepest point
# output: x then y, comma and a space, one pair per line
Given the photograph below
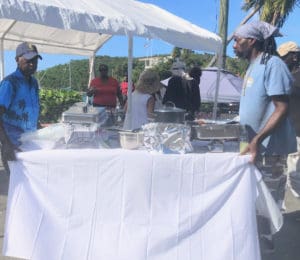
195, 97
183, 89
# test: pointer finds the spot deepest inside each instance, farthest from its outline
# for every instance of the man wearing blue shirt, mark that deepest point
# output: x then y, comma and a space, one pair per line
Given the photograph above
19, 101
264, 108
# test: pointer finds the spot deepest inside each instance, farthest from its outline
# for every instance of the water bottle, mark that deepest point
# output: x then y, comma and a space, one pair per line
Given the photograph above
244, 139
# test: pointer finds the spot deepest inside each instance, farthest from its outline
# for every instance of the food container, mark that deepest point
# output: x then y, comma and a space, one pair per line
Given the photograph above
167, 137
131, 140
81, 135
216, 132
76, 114
169, 114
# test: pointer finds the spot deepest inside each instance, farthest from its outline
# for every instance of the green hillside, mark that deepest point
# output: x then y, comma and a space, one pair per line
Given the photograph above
75, 74
57, 96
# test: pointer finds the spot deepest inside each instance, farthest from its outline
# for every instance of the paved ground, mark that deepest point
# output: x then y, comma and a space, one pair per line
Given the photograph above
287, 240
3, 195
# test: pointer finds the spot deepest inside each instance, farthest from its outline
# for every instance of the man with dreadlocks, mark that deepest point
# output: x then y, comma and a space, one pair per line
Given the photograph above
264, 110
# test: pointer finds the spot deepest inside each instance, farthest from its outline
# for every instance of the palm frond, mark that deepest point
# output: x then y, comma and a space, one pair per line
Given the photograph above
272, 11
249, 4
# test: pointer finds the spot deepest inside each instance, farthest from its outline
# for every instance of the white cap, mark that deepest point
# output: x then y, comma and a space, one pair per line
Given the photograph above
287, 47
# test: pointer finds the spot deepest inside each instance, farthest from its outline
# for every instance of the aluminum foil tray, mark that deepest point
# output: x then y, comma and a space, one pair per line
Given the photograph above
80, 135
216, 132
75, 114
167, 138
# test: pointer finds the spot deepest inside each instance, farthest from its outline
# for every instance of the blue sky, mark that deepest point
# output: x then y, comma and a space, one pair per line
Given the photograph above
203, 13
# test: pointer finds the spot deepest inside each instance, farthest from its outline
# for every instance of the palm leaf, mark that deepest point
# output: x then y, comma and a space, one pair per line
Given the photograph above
272, 11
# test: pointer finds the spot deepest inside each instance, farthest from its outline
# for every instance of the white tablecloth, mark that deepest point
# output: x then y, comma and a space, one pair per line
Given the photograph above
132, 205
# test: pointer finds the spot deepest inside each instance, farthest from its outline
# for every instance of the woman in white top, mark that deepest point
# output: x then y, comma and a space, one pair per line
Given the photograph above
142, 100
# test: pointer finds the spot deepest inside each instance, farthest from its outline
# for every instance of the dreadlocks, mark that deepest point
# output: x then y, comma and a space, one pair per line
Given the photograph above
267, 47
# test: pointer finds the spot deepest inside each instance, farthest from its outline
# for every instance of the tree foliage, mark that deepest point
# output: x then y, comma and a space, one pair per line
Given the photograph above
74, 75
55, 101
272, 11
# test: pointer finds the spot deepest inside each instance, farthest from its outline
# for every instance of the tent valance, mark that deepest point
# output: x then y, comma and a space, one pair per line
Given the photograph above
82, 26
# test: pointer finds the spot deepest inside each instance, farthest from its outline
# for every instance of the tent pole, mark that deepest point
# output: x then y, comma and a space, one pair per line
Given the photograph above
2, 59
223, 24
129, 92
214, 115
2, 48
91, 68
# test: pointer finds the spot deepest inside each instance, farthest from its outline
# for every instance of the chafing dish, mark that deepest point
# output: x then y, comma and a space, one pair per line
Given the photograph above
84, 115
216, 132
131, 140
82, 125
169, 114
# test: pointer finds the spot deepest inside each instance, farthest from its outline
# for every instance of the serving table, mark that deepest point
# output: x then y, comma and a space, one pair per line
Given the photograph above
116, 204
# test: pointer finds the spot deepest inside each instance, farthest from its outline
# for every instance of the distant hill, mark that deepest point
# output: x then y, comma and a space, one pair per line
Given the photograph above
78, 72
61, 77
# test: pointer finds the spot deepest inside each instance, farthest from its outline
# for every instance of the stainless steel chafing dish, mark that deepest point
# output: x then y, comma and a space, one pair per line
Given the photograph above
82, 125
77, 114
216, 131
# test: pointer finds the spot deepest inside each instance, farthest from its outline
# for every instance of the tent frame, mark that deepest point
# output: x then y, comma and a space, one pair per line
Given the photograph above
90, 23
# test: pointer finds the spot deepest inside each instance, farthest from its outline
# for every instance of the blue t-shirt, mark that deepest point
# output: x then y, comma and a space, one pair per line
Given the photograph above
261, 82
20, 97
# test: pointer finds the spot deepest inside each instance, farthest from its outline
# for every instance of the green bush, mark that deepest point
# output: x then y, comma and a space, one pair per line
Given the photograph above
54, 102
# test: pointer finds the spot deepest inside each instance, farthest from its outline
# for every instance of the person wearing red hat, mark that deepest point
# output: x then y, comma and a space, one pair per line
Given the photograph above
19, 102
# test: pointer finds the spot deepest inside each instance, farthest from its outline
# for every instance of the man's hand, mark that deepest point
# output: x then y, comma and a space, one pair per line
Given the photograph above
251, 148
280, 112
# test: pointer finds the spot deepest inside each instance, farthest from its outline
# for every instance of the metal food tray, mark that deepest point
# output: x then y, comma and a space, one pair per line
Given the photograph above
216, 132
76, 115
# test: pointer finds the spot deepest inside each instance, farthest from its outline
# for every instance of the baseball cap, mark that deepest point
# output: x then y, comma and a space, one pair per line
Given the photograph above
287, 47
27, 50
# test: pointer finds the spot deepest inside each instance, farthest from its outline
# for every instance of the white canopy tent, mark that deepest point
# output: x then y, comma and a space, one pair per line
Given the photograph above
82, 26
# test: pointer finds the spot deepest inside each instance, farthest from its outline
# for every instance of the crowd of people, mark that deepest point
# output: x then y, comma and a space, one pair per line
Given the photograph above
269, 103
148, 94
